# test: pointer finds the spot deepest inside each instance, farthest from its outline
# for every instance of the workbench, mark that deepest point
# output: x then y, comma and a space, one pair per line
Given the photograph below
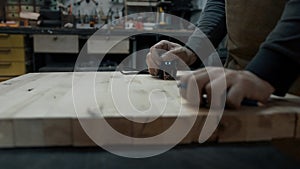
37, 110
56, 49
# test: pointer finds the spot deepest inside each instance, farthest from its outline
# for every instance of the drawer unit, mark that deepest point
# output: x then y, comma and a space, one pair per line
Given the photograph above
56, 44
113, 45
12, 16
25, 8
12, 54
12, 8
8, 41
12, 68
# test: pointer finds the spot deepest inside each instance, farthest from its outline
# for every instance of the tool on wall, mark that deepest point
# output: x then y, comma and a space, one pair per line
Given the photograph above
162, 7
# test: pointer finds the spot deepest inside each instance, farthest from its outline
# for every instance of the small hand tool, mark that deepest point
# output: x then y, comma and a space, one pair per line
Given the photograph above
168, 70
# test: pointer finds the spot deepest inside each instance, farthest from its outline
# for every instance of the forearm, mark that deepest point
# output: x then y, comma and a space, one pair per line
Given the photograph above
278, 58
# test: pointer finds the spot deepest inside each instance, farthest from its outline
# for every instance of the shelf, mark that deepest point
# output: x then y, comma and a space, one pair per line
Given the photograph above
131, 3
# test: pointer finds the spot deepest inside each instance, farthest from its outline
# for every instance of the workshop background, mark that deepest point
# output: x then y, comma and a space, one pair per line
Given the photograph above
78, 19
46, 36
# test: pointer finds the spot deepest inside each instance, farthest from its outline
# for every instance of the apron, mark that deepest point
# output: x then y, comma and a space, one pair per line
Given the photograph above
248, 24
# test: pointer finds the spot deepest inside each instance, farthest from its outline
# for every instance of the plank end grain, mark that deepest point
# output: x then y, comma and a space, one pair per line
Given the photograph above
28, 132
57, 132
297, 133
6, 134
80, 138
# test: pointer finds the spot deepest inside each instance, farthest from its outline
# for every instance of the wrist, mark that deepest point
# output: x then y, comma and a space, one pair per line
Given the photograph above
191, 55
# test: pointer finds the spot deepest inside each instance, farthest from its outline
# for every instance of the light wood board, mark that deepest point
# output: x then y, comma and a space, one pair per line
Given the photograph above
38, 110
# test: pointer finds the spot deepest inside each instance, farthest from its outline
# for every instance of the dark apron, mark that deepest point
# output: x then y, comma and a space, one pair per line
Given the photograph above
248, 24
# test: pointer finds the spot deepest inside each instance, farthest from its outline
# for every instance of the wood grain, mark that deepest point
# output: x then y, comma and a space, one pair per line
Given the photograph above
38, 110
80, 138
57, 132
257, 124
29, 132
6, 133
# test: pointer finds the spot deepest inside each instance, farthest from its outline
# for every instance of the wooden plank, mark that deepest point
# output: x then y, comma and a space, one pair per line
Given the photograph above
143, 131
39, 132
57, 132
89, 132
232, 128
122, 126
283, 125
79, 136
14, 83
258, 124
6, 133
28, 132
198, 128
42, 112
298, 126
32, 109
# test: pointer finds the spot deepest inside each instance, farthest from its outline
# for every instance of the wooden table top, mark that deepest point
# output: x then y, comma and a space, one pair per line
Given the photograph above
37, 109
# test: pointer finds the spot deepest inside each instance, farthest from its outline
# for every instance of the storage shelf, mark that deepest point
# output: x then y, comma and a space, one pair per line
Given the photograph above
153, 4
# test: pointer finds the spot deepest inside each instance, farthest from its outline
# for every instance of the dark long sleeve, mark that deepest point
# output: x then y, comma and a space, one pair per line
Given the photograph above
278, 59
212, 23
212, 30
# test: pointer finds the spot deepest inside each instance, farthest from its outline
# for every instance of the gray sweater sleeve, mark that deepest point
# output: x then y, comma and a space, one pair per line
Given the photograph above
212, 24
278, 59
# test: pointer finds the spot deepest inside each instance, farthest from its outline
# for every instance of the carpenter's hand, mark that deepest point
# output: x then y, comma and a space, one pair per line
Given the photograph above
239, 85
168, 51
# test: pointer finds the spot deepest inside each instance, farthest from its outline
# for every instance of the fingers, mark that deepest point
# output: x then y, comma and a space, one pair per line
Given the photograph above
248, 86
206, 79
221, 84
164, 45
153, 64
216, 87
235, 96
193, 85
179, 55
225, 87
154, 58
186, 56
261, 90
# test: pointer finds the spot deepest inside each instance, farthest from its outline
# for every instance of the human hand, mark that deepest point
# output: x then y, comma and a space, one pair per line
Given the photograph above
239, 85
168, 51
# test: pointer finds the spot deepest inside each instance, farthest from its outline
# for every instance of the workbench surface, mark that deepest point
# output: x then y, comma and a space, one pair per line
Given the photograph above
38, 110
85, 32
